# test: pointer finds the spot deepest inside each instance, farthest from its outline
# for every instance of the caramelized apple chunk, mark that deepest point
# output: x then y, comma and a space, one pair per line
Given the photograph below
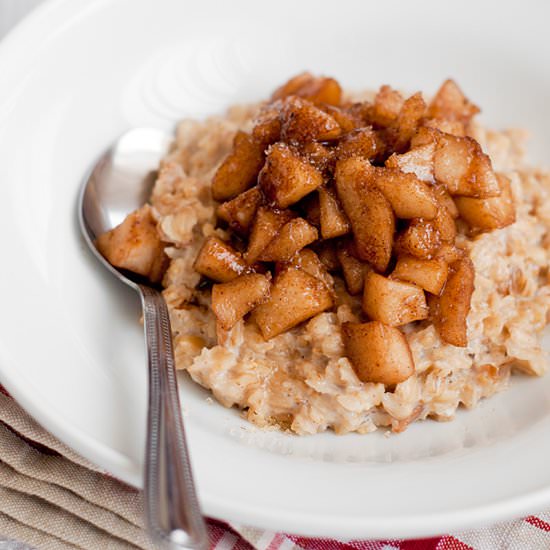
418, 161
405, 125
291, 238
135, 245
302, 121
387, 106
361, 142
449, 311
295, 297
353, 270
489, 214
219, 261
333, 220
286, 177
408, 196
369, 212
318, 89
231, 301
393, 302
240, 211
377, 352
309, 262
460, 164
450, 103
420, 239
430, 275
266, 225
240, 168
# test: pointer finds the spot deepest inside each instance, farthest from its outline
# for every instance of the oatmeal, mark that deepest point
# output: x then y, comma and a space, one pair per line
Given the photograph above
313, 301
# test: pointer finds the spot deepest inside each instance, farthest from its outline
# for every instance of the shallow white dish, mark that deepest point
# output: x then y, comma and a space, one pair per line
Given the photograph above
78, 73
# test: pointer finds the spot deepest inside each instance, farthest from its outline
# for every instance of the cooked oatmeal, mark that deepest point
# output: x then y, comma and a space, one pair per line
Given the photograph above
302, 379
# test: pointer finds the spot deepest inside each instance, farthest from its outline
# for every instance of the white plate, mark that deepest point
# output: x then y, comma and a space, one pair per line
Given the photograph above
78, 73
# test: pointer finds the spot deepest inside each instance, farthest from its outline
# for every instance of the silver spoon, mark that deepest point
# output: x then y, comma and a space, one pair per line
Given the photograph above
119, 183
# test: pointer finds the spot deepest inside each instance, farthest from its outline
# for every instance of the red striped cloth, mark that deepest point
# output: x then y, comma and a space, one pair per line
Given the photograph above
530, 533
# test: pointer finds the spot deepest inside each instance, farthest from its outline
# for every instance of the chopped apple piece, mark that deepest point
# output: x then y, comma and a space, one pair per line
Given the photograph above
267, 224
346, 118
407, 121
489, 214
292, 237
449, 312
393, 302
444, 199
240, 211
302, 121
449, 253
333, 220
450, 103
421, 239
240, 168
354, 270
427, 274
322, 157
295, 297
233, 300
453, 127
361, 142
267, 128
309, 262
369, 212
315, 89
461, 165
135, 245
219, 261
286, 177
378, 353
418, 161
408, 196
387, 106
445, 225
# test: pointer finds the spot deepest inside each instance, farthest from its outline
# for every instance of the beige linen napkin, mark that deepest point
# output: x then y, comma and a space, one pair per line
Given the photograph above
53, 499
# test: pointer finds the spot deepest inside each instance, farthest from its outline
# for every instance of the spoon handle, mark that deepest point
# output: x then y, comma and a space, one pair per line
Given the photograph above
173, 512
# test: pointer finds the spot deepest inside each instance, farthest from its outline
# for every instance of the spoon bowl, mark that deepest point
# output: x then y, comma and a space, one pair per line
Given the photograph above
119, 183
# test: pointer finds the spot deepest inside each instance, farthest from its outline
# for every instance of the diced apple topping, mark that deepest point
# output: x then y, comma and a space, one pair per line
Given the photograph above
449, 311
219, 261
240, 169
353, 270
393, 302
378, 353
265, 227
291, 238
135, 245
316, 89
332, 218
449, 103
239, 212
489, 214
233, 300
302, 121
295, 297
286, 177
378, 195
370, 213
430, 275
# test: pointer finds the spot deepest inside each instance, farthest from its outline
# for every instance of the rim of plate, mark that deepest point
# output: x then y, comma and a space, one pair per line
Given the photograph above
20, 38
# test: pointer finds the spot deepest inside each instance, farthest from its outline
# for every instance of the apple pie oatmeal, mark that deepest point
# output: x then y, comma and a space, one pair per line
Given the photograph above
347, 262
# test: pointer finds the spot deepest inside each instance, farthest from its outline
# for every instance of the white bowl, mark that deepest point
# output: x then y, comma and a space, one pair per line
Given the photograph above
78, 73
